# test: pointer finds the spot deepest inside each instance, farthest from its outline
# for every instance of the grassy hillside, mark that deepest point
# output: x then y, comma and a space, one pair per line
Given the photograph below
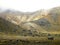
33, 27
7, 27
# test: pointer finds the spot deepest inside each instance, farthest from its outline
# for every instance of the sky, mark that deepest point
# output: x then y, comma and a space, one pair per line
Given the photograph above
29, 5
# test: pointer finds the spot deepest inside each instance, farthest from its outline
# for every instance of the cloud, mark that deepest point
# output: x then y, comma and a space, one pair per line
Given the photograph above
29, 5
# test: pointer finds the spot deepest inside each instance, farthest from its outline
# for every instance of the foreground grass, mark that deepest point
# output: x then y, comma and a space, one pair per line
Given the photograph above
22, 42
27, 40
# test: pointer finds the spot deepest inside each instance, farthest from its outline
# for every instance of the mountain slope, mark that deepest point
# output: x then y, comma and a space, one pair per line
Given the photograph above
51, 22
29, 23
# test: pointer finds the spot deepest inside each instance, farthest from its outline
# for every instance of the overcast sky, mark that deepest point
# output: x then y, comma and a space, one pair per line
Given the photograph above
29, 5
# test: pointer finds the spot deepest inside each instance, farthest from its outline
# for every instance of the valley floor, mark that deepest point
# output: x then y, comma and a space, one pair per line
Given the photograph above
21, 42
27, 40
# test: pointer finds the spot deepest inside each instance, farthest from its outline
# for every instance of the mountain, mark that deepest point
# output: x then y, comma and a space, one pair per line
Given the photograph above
50, 22
30, 23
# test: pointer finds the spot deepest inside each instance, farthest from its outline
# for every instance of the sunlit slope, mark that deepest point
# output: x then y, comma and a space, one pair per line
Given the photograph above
14, 24
30, 24
9, 29
51, 22
19, 17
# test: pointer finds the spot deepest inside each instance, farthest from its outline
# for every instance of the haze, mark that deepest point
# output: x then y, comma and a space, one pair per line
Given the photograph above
29, 5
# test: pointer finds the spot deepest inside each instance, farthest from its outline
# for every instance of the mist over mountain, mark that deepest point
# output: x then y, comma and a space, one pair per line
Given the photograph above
30, 23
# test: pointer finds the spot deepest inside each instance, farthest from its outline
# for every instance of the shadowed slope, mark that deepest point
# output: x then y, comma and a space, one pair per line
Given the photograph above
7, 27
